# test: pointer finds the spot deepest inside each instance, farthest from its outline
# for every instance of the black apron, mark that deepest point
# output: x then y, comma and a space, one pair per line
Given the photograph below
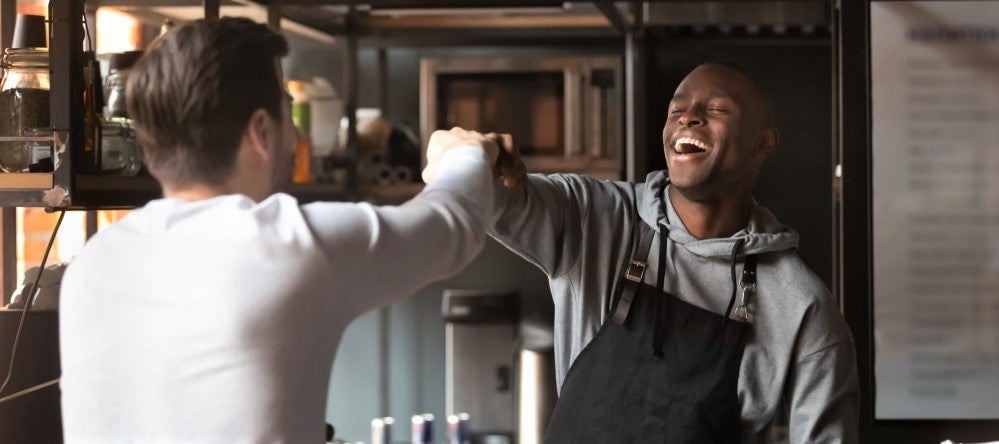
658, 370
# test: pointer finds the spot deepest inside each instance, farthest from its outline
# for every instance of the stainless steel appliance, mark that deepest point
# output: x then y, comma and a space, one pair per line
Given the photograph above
536, 390
564, 112
500, 367
480, 333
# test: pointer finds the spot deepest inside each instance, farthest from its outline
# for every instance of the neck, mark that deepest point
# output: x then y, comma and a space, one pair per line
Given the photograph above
192, 192
712, 219
240, 182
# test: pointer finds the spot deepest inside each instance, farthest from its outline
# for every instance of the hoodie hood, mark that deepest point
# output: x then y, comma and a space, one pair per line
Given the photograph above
763, 234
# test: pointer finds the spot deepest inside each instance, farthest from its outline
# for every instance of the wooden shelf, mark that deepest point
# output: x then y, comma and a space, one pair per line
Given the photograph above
319, 192
94, 191
110, 192
26, 181
116, 183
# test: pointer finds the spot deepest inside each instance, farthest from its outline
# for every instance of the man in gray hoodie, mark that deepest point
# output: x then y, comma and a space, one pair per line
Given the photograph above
680, 304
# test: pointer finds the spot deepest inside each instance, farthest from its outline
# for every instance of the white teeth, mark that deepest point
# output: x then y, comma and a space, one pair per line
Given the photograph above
691, 141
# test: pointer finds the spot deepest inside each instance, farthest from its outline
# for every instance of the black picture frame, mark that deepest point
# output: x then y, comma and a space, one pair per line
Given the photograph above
853, 37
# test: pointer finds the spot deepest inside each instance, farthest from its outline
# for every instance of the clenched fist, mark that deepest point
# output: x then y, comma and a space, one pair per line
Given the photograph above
509, 166
441, 141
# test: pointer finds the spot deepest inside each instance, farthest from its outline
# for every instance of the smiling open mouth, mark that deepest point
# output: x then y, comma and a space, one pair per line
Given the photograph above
689, 145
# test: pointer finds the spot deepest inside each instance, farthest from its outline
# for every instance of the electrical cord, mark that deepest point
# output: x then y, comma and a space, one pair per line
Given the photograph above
31, 389
28, 301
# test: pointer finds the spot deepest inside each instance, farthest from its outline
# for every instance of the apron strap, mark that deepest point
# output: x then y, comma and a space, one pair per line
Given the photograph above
749, 272
634, 272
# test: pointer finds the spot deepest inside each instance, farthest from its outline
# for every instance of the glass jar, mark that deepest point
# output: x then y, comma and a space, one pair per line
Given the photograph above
119, 67
24, 106
115, 86
120, 153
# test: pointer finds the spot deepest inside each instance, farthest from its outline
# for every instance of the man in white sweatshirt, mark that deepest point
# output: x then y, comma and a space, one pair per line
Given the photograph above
214, 313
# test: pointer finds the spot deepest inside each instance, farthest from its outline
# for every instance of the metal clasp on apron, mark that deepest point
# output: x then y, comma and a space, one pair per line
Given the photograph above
748, 284
636, 271
742, 312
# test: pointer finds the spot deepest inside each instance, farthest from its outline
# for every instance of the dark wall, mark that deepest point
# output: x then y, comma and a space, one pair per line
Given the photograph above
34, 417
796, 182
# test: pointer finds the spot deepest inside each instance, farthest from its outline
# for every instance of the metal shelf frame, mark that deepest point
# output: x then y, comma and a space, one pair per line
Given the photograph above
54, 189
355, 21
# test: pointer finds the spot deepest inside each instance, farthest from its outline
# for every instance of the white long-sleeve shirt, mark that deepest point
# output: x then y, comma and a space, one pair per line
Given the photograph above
218, 320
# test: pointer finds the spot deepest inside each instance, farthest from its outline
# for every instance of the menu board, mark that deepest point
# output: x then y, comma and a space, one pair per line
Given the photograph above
935, 179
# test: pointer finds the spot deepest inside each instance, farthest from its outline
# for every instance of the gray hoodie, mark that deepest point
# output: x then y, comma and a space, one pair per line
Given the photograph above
799, 350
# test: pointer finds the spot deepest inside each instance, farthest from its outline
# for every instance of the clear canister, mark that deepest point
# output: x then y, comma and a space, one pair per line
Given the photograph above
120, 153
119, 66
24, 107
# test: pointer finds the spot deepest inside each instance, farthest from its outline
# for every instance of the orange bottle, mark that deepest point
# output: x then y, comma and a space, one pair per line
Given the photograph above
300, 116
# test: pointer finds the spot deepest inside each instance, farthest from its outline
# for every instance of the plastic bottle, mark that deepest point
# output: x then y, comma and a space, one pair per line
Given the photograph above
325, 113
300, 116
457, 429
381, 430
423, 429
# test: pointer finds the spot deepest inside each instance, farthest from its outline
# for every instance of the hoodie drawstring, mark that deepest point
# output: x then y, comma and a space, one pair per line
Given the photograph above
658, 329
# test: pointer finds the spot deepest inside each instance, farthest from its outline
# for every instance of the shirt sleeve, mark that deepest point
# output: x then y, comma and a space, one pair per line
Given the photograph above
541, 221
379, 254
824, 391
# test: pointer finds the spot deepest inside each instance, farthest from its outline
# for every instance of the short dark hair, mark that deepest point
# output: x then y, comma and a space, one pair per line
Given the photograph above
761, 96
192, 93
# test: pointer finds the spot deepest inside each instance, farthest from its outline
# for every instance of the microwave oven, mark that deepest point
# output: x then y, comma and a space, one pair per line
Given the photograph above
564, 112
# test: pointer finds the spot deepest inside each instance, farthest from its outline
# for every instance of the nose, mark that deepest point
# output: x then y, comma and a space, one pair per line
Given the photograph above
691, 117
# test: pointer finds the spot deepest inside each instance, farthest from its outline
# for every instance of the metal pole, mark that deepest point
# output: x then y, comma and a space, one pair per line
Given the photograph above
66, 63
350, 80
8, 14
274, 16
636, 156
383, 80
211, 9
8, 226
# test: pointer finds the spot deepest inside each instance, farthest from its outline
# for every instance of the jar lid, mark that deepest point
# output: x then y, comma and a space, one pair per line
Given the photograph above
123, 60
25, 58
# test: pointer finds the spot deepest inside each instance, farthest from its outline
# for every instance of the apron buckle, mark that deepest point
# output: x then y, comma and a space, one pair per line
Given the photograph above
636, 271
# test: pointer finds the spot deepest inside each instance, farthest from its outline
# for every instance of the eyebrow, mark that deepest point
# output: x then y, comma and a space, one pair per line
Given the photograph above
711, 93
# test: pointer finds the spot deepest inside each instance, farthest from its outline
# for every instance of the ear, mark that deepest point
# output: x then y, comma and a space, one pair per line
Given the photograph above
258, 134
768, 140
